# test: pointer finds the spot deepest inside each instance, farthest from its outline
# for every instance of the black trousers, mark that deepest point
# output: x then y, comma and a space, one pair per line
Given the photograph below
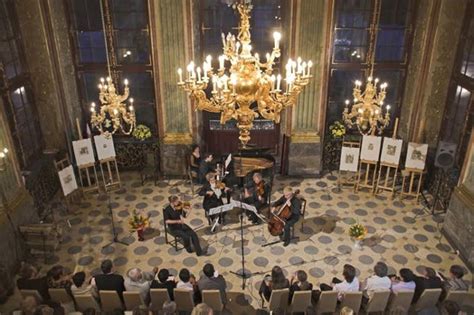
287, 228
189, 236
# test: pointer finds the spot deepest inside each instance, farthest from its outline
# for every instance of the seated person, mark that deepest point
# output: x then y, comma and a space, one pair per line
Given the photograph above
378, 281
349, 284
213, 194
139, 281
31, 280
195, 160
455, 282
173, 219
299, 282
205, 167
81, 285
276, 281
188, 281
108, 280
165, 281
256, 193
57, 279
429, 280
212, 280
406, 281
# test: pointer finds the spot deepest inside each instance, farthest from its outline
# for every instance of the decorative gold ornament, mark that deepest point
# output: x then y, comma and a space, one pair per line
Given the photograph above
247, 81
3, 159
367, 112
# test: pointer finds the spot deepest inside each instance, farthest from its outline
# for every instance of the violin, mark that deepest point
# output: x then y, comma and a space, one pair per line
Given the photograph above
276, 224
182, 205
261, 188
219, 184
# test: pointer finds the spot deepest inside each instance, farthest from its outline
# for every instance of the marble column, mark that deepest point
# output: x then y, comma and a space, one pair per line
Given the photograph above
310, 41
172, 39
436, 36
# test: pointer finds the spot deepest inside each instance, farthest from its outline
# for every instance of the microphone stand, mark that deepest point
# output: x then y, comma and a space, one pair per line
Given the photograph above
114, 230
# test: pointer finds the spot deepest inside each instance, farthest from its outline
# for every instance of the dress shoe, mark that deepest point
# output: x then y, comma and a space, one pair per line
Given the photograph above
286, 243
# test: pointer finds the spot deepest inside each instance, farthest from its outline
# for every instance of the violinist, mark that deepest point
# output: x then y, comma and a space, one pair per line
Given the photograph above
256, 194
213, 191
288, 199
173, 217
205, 167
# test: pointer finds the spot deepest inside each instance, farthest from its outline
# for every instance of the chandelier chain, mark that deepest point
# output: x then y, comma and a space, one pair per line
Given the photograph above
374, 28
105, 36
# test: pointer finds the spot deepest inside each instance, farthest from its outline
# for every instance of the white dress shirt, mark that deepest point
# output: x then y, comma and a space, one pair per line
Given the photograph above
184, 285
345, 286
401, 285
376, 283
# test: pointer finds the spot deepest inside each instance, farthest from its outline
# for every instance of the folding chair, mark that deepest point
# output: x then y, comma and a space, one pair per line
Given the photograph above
158, 298
352, 300
110, 300
176, 239
62, 297
213, 299
279, 300
401, 300
34, 293
184, 300
300, 302
86, 301
378, 302
428, 299
132, 300
327, 302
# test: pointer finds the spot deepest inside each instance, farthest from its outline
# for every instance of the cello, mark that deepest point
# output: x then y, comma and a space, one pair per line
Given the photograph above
276, 224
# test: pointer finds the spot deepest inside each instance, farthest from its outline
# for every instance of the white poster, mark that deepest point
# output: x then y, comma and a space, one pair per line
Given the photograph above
105, 147
83, 152
370, 148
349, 159
68, 180
416, 156
391, 150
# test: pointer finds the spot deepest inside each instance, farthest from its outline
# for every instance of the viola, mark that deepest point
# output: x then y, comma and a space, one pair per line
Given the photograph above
276, 224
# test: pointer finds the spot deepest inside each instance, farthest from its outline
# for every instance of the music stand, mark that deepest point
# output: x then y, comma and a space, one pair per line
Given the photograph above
114, 230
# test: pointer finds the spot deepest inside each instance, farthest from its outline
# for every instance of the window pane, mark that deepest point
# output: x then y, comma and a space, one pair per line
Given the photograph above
132, 46
390, 45
91, 47
350, 45
456, 115
129, 14
87, 15
340, 89
90, 91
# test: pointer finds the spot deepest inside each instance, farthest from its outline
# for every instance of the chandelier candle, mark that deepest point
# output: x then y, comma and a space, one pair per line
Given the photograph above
246, 81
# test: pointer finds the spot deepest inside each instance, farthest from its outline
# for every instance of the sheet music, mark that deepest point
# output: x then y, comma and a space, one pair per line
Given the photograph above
231, 205
227, 160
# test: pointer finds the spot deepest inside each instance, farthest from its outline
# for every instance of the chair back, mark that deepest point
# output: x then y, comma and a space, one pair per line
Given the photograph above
132, 300
428, 299
327, 302
279, 300
158, 298
59, 296
184, 300
212, 298
457, 296
110, 300
86, 301
352, 300
301, 301
401, 300
378, 301
35, 293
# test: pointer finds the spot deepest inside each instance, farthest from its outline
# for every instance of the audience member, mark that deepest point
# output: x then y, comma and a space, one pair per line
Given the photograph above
140, 310
57, 278
28, 305
46, 310
30, 280
80, 286
188, 281
169, 308
346, 311
406, 281
349, 284
455, 282
274, 282
136, 281
378, 281
299, 282
429, 280
108, 280
165, 281
202, 309
212, 280
451, 308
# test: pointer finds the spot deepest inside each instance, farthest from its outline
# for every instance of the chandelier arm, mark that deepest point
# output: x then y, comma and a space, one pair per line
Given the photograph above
201, 102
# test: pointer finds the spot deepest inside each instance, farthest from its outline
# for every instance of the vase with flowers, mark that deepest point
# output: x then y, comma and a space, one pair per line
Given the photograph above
337, 130
357, 232
139, 222
141, 132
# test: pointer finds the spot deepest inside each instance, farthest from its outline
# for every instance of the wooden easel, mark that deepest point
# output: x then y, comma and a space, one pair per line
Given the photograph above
113, 179
76, 195
88, 170
387, 179
416, 177
348, 178
368, 181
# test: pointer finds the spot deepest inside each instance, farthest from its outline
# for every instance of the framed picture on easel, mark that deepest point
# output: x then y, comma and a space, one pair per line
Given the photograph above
370, 150
104, 147
416, 156
83, 152
349, 159
391, 150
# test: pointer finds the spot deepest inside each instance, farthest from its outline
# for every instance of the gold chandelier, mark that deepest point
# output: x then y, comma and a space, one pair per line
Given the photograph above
367, 110
247, 81
113, 112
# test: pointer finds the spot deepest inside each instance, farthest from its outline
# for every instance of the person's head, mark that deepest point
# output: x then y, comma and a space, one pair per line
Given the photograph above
169, 308
28, 271
301, 276
346, 311
106, 266
140, 310
456, 271
380, 269
208, 157
184, 275
195, 149
44, 310
89, 311
288, 192
430, 273
277, 275
78, 278
202, 309
163, 275
407, 275
56, 272
135, 274
28, 305
208, 270
173, 200
451, 307
257, 178
211, 178
349, 273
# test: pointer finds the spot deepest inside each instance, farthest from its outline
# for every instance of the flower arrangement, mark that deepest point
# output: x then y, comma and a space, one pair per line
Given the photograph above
337, 129
141, 132
357, 231
138, 221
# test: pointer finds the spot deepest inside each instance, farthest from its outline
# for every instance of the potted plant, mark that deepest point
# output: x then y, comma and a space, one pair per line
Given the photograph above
141, 132
337, 130
357, 232
139, 222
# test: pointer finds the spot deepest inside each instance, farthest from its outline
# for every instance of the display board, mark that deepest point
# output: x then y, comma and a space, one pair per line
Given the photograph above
370, 148
104, 147
349, 159
391, 150
68, 180
416, 156
83, 152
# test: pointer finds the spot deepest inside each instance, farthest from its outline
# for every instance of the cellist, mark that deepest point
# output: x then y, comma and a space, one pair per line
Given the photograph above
288, 199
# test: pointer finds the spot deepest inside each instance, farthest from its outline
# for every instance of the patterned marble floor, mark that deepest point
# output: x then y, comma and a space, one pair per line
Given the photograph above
395, 235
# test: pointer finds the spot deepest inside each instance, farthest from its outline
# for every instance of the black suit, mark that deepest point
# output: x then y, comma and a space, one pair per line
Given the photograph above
38, 284
423, 283
210, 201
254, 199
295, 215
169, 285
110, 282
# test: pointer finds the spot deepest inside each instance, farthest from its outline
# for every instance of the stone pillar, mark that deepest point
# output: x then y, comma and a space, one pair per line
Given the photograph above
437, 30
49, 58
310, 41
171, 23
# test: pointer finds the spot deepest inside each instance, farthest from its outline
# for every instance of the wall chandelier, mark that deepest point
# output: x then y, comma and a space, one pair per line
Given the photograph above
366, 113
247, 81
113, 113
